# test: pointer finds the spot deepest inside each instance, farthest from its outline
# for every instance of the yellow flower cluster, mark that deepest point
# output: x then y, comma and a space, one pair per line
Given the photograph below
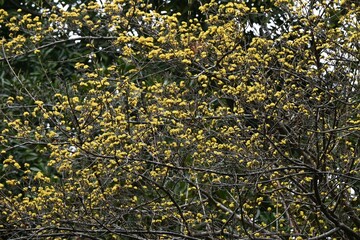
205, 128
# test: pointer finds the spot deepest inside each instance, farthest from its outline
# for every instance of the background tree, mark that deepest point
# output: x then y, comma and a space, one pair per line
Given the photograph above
131, 124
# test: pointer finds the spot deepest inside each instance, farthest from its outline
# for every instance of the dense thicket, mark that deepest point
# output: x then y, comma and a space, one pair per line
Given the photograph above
157, 120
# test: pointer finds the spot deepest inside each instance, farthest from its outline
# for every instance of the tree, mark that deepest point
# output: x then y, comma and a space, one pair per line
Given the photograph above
149, 126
